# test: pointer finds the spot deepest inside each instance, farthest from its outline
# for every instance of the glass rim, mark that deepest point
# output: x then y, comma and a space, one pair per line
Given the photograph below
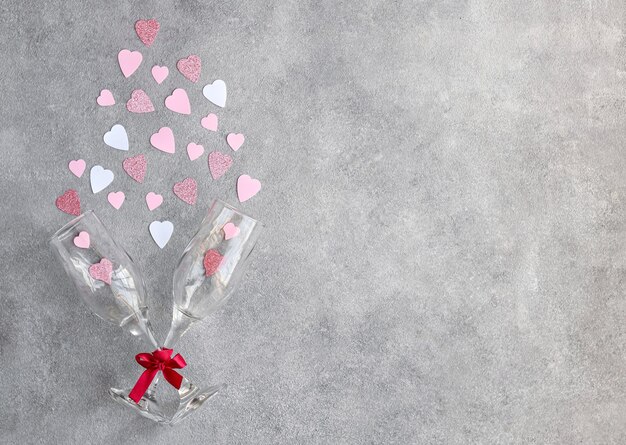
69, 225
234, 209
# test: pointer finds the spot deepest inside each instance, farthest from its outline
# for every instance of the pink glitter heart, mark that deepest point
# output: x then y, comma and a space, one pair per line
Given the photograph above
102, 271
136, 167
69, 202
190, 67
219, 163
187, 190
212, 261
147, 30
139, 102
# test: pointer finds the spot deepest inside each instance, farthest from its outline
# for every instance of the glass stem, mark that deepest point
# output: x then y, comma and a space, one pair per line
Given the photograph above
180, 325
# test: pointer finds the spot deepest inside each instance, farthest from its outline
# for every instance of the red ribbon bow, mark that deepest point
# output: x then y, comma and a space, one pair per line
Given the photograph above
159, 360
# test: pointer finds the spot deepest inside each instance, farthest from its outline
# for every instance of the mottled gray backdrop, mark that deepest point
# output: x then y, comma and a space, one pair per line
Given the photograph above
444, 190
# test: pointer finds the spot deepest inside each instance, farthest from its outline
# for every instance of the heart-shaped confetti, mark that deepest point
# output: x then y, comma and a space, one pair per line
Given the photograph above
187, 190
161, 232
209, 122
212, 261
77, 167
190, 67
235, 140
129, 61
105, 99
178, 102
230, 231
153, 200
216, 93
82, 241
136, 166
117, 138
219, 163
102, 271
100, 178
247, 187
194, 151
147, 30
116, 199
139, 102
164, 140
160, 73
69, 202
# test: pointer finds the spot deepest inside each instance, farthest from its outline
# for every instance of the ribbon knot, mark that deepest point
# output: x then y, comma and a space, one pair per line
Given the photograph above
159, 360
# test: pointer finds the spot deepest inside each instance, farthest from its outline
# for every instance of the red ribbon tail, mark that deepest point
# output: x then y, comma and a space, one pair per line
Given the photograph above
174, 378
142, 385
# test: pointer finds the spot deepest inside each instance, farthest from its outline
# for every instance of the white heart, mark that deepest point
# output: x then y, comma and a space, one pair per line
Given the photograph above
117, 138
100, 178
216, 92
161, 232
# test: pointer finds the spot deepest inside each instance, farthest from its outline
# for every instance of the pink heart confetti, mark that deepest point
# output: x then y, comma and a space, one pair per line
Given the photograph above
82, 241
247, 187
153, 200
129, 61
116, 199
212, 261
69, 202
209, 122
139, 102
164, 140
230, 231
136, 167
160, 73
219, 163
190, 67
105, 99
194, 151
147, 30
187, 190
102, 271
235, 140
77, 167
178, 102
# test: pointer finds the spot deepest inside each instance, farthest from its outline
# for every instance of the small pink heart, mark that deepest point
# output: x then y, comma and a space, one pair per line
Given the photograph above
235, 140
136, 167
219, 163
178, 102
164, 140
230, 231
105, 99
190, 67
78, 167
82, 241
102, 271
212, 261
147, 30
187, 190
153, 200
116, 199
69, 202
160, 73
129, 61
139, 102
209, 122
194, 151
247, 187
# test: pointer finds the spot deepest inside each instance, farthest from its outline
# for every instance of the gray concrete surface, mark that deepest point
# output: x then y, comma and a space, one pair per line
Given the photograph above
444, 189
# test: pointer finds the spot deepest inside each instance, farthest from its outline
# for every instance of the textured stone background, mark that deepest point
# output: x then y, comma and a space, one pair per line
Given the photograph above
444, 191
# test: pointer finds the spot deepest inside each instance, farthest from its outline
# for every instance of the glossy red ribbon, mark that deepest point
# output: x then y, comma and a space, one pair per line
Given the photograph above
159, 360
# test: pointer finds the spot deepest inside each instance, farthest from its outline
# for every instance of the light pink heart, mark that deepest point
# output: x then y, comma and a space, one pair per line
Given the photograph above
178, 102
116, 199
190, 67
219, 163
235, 140
136, 167
139, 102
105, 99
160, 73
164, 140
102, 271
129, 61
77, 167
209, 122
194, 151
153, 200
230, 231
82, 241
247, 187
187, 190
